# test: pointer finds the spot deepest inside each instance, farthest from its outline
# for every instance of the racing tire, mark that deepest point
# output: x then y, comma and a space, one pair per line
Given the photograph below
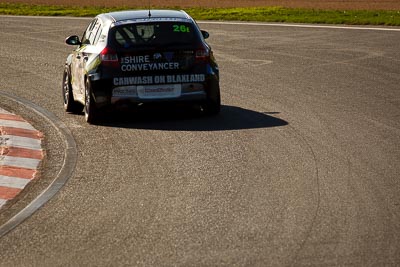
212, 105
90, 109
70, 105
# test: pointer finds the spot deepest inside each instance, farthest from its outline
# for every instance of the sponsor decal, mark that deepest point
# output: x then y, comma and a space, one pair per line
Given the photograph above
160, 79
146, 20
135, 59
133, 80
186, 78
159, 91
143, 63
157, 56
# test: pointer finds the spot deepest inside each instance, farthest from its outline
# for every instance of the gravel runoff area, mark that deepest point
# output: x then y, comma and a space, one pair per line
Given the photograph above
309, 4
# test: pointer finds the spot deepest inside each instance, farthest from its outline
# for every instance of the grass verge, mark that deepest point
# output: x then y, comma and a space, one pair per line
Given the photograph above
264, 14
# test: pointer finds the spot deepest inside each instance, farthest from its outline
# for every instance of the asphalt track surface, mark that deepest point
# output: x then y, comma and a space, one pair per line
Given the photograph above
300, 168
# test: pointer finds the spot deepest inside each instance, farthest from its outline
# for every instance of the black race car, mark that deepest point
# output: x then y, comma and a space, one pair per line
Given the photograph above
138, 57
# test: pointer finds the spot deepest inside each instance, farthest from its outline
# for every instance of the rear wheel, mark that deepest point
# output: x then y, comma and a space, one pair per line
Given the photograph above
69, 103
212, 105
91, 112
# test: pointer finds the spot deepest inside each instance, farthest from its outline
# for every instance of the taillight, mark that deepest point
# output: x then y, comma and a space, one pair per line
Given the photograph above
109, 57
202, 54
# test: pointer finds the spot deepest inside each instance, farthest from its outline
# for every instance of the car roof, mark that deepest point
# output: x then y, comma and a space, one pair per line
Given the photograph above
129, 15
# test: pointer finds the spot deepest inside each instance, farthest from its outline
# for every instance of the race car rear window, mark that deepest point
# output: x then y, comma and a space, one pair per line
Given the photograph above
155, 34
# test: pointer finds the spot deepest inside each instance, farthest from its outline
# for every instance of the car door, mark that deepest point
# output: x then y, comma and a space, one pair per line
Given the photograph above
79, 59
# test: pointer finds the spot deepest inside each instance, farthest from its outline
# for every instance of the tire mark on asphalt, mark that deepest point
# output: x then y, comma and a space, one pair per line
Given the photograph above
317, 179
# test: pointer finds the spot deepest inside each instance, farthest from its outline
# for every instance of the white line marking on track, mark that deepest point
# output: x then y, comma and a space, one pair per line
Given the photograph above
16, 124
22, 142
2, 202
369, 28
4, 111
19, 162
13, 182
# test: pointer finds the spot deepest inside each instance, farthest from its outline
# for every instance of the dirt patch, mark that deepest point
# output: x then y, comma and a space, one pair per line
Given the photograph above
310, 4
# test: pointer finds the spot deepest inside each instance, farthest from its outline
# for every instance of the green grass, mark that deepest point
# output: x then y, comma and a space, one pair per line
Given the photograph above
279, 14
265, 14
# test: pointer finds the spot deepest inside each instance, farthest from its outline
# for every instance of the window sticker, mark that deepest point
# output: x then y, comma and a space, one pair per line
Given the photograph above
181, 28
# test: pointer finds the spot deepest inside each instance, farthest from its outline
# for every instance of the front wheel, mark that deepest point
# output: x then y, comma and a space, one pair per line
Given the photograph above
91, 112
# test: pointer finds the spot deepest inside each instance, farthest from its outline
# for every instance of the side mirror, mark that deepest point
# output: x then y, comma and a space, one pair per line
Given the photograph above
205, 34
73, 40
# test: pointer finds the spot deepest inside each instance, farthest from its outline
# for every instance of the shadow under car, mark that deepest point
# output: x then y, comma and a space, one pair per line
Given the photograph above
178, 119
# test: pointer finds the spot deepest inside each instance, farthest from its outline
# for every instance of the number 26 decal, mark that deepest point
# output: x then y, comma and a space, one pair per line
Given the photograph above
181, 28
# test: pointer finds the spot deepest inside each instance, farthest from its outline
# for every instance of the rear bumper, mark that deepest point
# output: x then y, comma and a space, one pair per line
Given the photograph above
107, 92
190, 97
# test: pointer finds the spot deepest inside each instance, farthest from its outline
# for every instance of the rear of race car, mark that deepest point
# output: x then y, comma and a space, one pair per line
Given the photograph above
156, 60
